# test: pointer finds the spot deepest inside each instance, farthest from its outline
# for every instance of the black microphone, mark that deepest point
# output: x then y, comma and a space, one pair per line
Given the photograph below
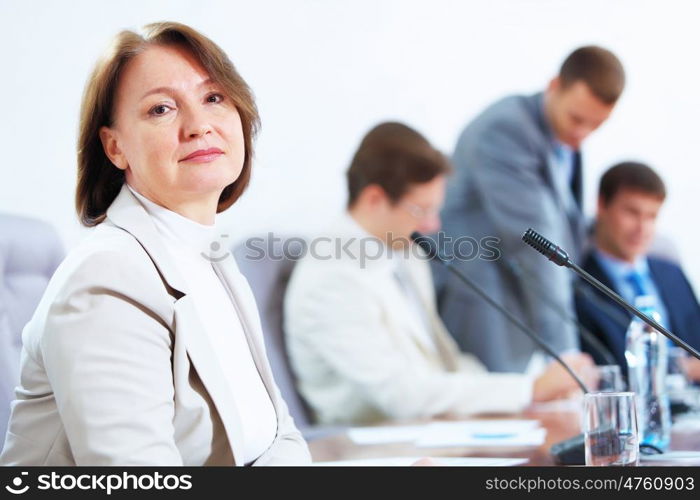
561, 258
434, 253
522, 272
547, 248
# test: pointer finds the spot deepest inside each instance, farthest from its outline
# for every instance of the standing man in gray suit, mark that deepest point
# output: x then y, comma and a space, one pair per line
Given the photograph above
518, 165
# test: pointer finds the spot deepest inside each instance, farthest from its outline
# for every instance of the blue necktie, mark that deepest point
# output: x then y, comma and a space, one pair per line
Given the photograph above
636, 279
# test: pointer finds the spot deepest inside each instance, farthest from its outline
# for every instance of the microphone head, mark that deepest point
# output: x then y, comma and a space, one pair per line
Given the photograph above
546, 248
538, 242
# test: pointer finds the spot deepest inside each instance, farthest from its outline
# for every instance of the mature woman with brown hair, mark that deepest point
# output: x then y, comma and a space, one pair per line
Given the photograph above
145, 350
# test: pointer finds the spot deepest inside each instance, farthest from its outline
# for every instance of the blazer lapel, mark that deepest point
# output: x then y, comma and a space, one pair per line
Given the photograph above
399, 307
611, 328
591, 266
447, 351
568, 204
200, 351
412, 274
568, 195
550, 167
577, 180
127, 213
665, 285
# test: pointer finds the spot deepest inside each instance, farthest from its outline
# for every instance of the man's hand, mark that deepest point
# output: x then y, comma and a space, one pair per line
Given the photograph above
425, 462
692, 368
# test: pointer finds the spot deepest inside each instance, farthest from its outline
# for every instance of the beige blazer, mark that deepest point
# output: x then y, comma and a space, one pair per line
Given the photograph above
115, 369
355, 345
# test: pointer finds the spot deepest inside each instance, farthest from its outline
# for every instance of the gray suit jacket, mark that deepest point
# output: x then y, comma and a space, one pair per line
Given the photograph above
504, 183
116, 371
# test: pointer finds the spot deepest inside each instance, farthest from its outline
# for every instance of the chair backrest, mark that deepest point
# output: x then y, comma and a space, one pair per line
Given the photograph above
268, 264
30, 251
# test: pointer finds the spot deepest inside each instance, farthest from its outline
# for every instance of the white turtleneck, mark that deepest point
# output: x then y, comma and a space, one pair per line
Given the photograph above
186, 240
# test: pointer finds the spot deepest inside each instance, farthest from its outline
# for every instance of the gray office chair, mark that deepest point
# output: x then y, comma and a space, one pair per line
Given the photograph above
268, 264
30, 251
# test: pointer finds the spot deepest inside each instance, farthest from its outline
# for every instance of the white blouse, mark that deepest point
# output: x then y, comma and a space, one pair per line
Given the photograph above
189, 244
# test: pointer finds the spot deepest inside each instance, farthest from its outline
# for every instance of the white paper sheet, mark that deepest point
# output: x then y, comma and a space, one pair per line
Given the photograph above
441, 461
482, 433
385, 435
416, 433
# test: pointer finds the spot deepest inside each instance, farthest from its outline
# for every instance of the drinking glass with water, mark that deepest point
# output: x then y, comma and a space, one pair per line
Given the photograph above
611, 434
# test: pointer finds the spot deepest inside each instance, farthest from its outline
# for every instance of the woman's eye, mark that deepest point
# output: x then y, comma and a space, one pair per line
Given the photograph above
215, 98
159, 110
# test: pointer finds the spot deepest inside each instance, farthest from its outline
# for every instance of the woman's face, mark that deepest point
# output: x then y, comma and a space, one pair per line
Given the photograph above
176, 136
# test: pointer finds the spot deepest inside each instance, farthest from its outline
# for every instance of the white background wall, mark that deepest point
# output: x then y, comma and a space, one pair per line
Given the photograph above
324, 72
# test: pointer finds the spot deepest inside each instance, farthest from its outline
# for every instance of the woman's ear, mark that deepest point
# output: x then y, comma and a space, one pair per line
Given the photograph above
110, 145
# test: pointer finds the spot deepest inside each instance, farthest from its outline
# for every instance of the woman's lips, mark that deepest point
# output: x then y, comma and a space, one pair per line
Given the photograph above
203, 155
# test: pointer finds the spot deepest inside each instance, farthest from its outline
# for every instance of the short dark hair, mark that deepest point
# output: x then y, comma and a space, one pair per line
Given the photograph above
632, 176
393, 156
99, 182
598, 68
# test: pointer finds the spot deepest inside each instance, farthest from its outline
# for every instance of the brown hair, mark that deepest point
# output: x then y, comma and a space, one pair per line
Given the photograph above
394, 156
633, 176
99, 181
598, 68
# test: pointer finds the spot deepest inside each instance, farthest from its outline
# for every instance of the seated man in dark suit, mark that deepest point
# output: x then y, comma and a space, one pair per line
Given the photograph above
629, 199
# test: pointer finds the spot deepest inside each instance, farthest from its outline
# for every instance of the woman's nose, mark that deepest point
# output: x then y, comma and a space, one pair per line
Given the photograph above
195, 124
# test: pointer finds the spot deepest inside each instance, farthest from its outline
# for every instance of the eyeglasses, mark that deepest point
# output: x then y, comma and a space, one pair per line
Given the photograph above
419, 212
